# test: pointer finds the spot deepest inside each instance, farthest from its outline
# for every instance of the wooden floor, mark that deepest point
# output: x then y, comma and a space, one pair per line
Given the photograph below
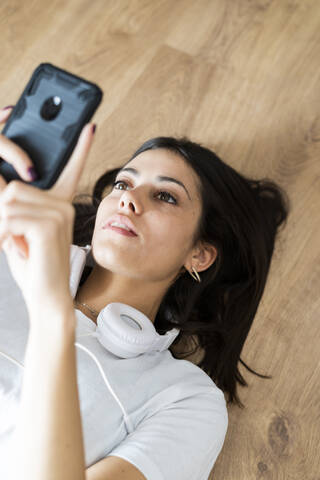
243, 78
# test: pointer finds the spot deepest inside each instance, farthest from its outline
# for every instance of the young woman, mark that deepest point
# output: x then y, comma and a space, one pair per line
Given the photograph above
186, 261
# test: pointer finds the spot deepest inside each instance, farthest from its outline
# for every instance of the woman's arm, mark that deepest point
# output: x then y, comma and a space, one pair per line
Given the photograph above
49, 441
36, 231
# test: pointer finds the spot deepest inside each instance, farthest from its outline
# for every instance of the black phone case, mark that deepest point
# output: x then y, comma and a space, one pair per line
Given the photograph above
50, 142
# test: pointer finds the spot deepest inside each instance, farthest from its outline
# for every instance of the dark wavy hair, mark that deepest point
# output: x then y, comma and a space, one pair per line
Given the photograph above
240, 217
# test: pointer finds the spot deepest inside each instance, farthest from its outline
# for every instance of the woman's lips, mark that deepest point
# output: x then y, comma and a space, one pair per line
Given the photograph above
122, 231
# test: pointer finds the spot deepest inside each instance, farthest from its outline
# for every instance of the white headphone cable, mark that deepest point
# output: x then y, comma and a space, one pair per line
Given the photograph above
126, 417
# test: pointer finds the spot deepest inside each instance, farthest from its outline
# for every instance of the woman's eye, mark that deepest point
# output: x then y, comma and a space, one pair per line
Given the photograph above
168, 196
116, 183
158, 193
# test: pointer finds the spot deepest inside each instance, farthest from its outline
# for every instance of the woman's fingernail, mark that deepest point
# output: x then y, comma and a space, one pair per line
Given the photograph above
9, 106
32, 173
94, 126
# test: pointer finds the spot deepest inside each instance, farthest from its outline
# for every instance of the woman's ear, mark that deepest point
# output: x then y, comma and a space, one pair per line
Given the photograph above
203, 257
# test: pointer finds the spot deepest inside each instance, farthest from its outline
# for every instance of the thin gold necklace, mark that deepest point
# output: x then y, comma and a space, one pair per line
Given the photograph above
94, 312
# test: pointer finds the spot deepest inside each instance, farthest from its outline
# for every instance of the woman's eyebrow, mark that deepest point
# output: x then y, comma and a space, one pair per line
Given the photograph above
160, 178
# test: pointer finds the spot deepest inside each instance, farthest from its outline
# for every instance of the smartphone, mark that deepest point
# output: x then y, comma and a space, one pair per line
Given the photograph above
47, 121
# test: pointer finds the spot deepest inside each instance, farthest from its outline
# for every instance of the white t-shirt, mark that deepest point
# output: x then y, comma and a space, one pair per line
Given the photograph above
179, 416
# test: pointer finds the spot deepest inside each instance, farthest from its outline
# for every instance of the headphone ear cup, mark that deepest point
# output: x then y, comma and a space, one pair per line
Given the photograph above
126, 332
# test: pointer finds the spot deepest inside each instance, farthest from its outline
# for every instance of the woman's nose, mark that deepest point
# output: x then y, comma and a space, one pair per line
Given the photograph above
130, 200
128, 203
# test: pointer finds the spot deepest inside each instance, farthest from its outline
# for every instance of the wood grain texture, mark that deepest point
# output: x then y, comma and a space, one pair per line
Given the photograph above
243, 78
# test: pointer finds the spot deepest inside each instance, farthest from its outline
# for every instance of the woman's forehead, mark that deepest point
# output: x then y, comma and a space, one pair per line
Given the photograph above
162, 162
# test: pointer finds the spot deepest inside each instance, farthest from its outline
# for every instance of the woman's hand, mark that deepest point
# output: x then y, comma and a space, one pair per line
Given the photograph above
39, 224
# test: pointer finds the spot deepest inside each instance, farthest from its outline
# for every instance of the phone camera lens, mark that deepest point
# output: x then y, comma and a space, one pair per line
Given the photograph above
51, 107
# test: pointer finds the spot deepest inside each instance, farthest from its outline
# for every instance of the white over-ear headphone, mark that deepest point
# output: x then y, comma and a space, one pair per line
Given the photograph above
127, 332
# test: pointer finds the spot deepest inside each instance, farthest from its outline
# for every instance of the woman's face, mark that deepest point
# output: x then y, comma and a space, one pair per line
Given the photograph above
164, 225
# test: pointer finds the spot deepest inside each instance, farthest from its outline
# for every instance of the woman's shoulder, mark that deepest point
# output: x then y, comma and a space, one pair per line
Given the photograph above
191, 379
